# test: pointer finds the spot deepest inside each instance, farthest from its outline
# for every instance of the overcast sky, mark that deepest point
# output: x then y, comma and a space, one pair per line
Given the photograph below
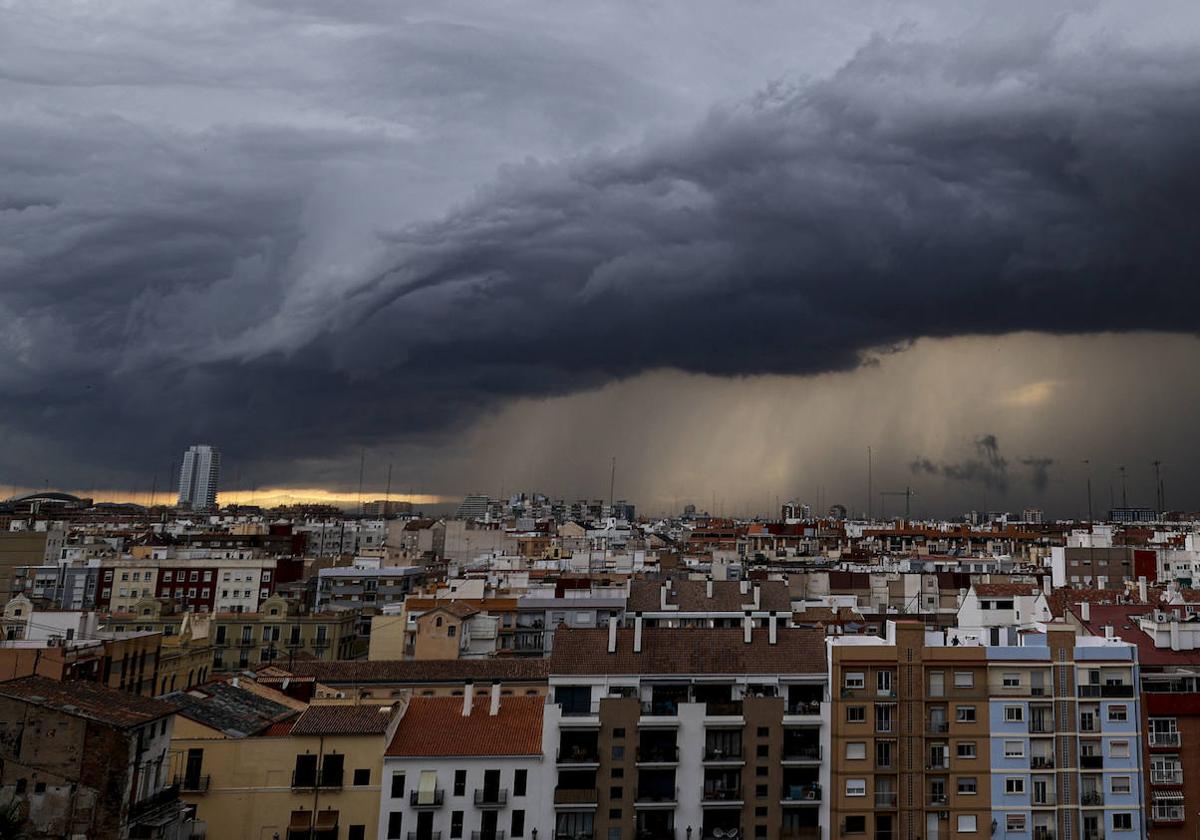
496, 244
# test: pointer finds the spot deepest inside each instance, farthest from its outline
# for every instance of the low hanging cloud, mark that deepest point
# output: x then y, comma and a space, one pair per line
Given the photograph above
987, 467
159, 286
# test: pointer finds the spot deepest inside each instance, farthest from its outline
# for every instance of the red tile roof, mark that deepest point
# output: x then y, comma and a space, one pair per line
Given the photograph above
689, 650
88, 700
1003, 590
1060, 599
372, 719
436, 726
1121, 619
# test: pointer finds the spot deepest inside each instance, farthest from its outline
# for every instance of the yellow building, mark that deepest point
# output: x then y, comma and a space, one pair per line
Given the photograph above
281, 631
257, 764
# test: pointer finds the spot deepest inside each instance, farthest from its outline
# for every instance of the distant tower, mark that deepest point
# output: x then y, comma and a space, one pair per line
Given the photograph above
198, 478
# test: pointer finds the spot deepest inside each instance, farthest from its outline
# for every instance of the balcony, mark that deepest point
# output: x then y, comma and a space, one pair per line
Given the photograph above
723, 708
426, 799
660, 708
193, 784
1091, 799
721, 794
885, 799
658, 755
938, 800
1091, 762
575, 796
718, 754
722, 833
491, 798
657, 796
1106, 691
1166, 776
424, 835
937, 727
1039, 726
304, 780
166, 798
578, 755
802, 793
804, 707
1041, 762
1093, 834
1043, 833
1164, 739
332, 780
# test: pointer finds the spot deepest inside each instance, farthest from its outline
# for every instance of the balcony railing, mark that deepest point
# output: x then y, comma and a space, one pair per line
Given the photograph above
722, 794
1091, 798
658, 755
725, 708
804, 707
1167, 813
1164, 739
575, 796
1041, 727
802, 752
491, 798
487, 835
426, 799
193, 784
654, 795
578, 755
938, 800
1044, 801
938, 727
1106, 691
721, 833
721, 754
1041, 762
1166, 777
1091, 762
152, 803
885, 799
304, 780
802, 793
1043, 833
660, 708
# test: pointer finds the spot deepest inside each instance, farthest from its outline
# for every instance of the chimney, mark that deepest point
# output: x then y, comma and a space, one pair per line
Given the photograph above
637, 632
708, 587
757, 596
494, 708
662, 596
747, 627
1142, 589
612, 634
772, 630
1108, 631
1085, 611
468, 697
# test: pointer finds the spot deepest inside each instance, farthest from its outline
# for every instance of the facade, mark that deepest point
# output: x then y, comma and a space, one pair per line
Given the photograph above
680, 732
199, 476
357, 587
282, 632
469, 767
84, 761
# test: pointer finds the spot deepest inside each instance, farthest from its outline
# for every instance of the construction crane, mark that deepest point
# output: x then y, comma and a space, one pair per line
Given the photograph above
907, 493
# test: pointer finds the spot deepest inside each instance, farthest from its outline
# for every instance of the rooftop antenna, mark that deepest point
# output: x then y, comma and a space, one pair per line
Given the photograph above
1087, 463
1159, 502
387, 494
612, 483
1124, 497
362, 465
870, 493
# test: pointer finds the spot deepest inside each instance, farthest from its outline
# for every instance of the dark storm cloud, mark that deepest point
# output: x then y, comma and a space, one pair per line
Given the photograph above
158, 287
988, 467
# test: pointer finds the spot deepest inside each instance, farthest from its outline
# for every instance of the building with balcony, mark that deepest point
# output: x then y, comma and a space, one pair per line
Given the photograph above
467, 767
663, 733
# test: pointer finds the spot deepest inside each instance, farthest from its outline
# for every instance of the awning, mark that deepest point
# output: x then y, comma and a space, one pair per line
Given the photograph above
327, 821
301, 820
427, 787
1172, 796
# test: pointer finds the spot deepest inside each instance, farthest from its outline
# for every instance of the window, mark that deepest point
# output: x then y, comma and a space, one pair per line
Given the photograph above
618, 752
966, 749
964, 679
451, 631
1123, 821
393, 829
1118, 749
855, 679
883, 682
1014, 786
856, 824
937, 684
1014, 714
965, 714
518, 824
764, 731
1015, 823
760, 791
357, 832
618, 772
856, 750
966, 823
520, 780
1118, 712
305, 773
1012, 680
456, 824
619, 732
1121, 784
856, 714
967, 785
166, 577
762, 750
761, 771
856, 787
616, 793
460, 782
362, 776
1014, 749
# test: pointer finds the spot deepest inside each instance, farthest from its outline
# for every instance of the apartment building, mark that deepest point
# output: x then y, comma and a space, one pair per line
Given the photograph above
939, 734
359, 586
281, 631
469, 767
203, 580
664, 733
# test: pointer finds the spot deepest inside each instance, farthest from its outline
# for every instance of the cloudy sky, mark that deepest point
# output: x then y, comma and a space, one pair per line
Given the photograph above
495, 245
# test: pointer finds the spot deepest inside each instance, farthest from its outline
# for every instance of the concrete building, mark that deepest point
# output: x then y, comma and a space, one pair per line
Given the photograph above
26, 548
467, 767
280, 632
199, 477
85, 761
663, 733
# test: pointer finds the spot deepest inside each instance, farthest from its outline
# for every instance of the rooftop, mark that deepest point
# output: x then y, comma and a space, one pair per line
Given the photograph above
1006, 590
234, 711
692, 596
409, 671
436, 726
88, 700
345, 720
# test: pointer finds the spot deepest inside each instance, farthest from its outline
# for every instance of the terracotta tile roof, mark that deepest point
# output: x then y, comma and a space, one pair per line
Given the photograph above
691, 596
1121, 619
396, 671
88, 700
278, 730
416, 603
1003, 590
331, 719
436, 726
689, 650
1060, 599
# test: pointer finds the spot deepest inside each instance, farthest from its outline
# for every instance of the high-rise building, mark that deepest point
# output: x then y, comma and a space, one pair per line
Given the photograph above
198, 477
